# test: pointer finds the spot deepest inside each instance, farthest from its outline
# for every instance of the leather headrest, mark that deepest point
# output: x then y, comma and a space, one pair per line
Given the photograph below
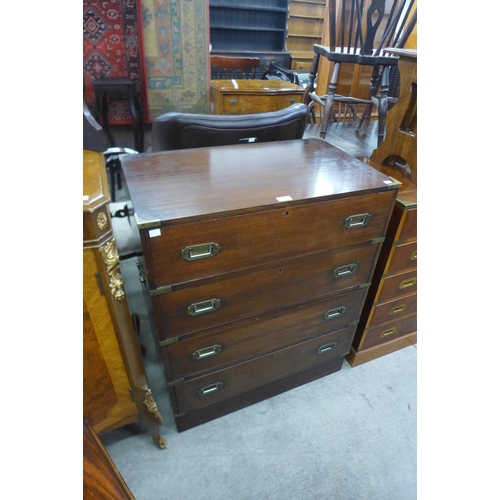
189, 130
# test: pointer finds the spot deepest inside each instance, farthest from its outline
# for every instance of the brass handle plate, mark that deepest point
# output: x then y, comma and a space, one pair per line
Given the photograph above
292, 100
413, 255
203, 251
233, 102
407, 283
345, 270
206, 352
397, 309
334, 313
390, 331
326, 347
209, 389
359, 220
203, 307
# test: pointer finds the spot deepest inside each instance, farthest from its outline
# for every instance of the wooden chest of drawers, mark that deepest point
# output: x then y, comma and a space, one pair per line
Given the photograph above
258, 258
389, 318
238, 97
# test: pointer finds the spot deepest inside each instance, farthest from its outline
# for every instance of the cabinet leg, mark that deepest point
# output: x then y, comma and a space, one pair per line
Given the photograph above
154, 419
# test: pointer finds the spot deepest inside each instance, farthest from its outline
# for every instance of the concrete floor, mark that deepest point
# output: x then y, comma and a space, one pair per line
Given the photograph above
350, 435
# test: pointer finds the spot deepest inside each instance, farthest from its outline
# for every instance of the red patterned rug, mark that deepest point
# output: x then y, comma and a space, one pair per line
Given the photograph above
112, 47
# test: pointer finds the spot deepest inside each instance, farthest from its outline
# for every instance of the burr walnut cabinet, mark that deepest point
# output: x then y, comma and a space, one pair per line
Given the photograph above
101, 479
257, 260
115, 388
239, 97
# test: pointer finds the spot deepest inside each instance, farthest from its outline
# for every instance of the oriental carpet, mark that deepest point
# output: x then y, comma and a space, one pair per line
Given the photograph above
113, 47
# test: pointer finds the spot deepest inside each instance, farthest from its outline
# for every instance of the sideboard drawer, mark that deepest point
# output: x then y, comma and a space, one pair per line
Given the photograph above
247, 104
405, 219
397, 286
402, 257
185, 252
395, 309
198, 306
390, 331
192, 355
219, 385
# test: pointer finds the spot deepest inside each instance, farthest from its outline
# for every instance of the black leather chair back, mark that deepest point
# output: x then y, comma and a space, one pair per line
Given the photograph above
188, 130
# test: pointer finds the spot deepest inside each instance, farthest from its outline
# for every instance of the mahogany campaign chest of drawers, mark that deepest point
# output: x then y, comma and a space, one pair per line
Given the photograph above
389, 318
258, 258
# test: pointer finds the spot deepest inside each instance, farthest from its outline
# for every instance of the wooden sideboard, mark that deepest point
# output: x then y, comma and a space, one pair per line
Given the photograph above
258, 258
115, 388
237, 97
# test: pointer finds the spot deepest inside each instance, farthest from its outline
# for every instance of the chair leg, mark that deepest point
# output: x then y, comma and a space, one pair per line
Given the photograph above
312, 77
112, 179
330, 101
367, 110
383, 105
113, 166
107, 128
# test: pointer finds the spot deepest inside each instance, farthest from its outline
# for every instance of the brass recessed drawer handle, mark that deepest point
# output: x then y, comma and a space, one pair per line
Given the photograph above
359, 220
413, 255
292, 100
203, 307
407, 283
334, 313
326, 347
397, 309
209, 389
391, 331
206, 352
345, 270
233, 102
203, 251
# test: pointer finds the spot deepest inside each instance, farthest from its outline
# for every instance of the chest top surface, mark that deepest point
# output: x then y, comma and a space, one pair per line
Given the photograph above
195, 184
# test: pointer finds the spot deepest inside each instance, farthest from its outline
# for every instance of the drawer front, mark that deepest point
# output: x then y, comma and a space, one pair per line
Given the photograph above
235, 104
260, 335
193, 251
217, 386
395, 309
397, 286
302, 64
402, 257
389, 331
409, 225
201, 306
